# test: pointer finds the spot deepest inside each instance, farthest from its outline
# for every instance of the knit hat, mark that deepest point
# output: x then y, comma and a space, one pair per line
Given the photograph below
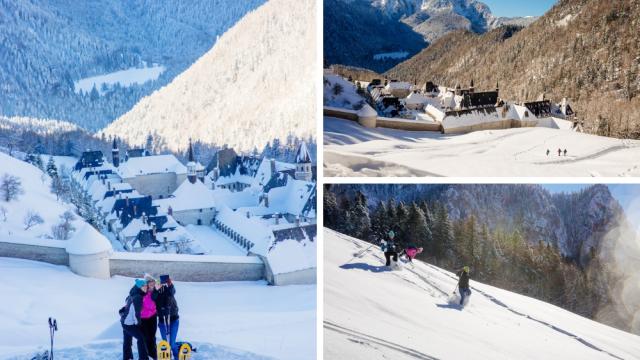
148, 278
140, 283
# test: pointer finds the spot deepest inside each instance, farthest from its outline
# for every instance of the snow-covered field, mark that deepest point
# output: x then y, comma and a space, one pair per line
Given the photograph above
372, 313
125, 78
352, 150
348, 97
232, 320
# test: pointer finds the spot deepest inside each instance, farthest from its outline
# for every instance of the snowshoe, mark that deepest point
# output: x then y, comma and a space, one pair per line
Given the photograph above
185, 351
164, 350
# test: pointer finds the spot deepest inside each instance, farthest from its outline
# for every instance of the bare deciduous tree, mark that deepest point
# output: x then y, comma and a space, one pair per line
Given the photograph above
10, 187
32, 219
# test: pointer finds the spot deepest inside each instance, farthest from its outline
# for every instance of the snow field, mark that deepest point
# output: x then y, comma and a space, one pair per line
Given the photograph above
244, 318
350, 149
125, 78
373, 313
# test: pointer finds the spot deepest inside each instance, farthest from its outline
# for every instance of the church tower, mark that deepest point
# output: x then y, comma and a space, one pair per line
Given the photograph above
191, 166
115, 154
303, 163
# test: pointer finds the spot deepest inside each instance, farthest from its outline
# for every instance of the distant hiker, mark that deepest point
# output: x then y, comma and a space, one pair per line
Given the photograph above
389, 248
130, 320
548, 152
411, 252
565, 152
463, 283
559, 152
168, 319
149, 317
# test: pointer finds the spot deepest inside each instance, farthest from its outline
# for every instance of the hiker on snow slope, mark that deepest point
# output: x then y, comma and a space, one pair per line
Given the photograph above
463, 283
389, 248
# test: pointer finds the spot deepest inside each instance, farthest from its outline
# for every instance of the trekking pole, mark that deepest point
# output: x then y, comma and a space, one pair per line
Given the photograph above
53, 327
167, 323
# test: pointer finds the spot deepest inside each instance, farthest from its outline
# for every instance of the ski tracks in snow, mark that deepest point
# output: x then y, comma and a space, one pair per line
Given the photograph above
366, 339
493, 299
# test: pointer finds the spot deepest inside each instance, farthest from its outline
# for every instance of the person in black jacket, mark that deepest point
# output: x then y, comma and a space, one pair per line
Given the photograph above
389, 248
130, 320
167, 307
463, 283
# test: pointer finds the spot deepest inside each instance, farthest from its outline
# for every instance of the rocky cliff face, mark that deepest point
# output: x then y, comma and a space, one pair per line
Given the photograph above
574, 222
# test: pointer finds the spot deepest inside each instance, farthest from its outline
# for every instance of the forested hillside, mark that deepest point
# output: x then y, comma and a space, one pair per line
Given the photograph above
47, 47
585, 50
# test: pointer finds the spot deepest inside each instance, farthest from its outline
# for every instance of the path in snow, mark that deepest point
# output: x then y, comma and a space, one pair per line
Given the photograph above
370, 314
352, 150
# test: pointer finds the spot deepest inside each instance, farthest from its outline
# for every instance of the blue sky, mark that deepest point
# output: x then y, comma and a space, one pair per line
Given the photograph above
511, 8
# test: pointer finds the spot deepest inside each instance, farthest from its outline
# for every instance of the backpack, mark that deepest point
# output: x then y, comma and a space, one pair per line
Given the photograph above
124, 311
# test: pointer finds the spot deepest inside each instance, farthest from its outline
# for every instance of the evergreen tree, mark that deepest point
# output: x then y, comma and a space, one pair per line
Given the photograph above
360, 217
416, 229
330, 209
52, 170
380, 222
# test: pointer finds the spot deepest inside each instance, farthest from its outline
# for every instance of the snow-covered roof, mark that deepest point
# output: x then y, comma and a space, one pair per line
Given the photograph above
292, 197
302, 155
263, 175
251, 229
188, 196
398, 85
234, 200
87, 241
367, 111
415, 98
291, 255
134, 228
151, 165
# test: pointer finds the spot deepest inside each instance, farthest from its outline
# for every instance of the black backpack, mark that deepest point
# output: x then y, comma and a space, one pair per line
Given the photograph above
124, 311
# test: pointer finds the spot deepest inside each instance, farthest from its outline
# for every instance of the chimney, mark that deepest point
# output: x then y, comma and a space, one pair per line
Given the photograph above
248, 215
170, 210
266, 199
297, 220
273, 166
126, 201
109, 185
135, 209
276, 216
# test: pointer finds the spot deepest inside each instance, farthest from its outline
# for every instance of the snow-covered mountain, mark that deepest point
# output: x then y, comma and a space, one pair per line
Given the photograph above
53, 52
254, 85
373, 313
432, 19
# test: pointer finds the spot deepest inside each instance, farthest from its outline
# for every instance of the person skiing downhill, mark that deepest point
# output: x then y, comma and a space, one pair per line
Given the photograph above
389, 248
130, 320
463, 284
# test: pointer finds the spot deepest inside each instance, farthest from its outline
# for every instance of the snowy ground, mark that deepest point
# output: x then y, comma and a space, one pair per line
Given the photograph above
232, 320
352, 150
125, 78
213, 242
373, 313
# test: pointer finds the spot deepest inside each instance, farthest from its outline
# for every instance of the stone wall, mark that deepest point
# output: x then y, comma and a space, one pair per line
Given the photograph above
192, 216
341, 113
493, 125
196, 268
48, 254
408, 125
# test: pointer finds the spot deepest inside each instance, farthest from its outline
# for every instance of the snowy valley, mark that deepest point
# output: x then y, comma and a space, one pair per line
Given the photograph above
375, 313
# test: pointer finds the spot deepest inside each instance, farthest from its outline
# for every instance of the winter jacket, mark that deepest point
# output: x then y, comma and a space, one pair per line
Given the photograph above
166, 303
148, 306
388, 246
132, 313
411, 252
463, 283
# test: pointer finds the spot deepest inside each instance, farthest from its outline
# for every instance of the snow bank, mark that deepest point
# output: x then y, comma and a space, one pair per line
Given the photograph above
291, 255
